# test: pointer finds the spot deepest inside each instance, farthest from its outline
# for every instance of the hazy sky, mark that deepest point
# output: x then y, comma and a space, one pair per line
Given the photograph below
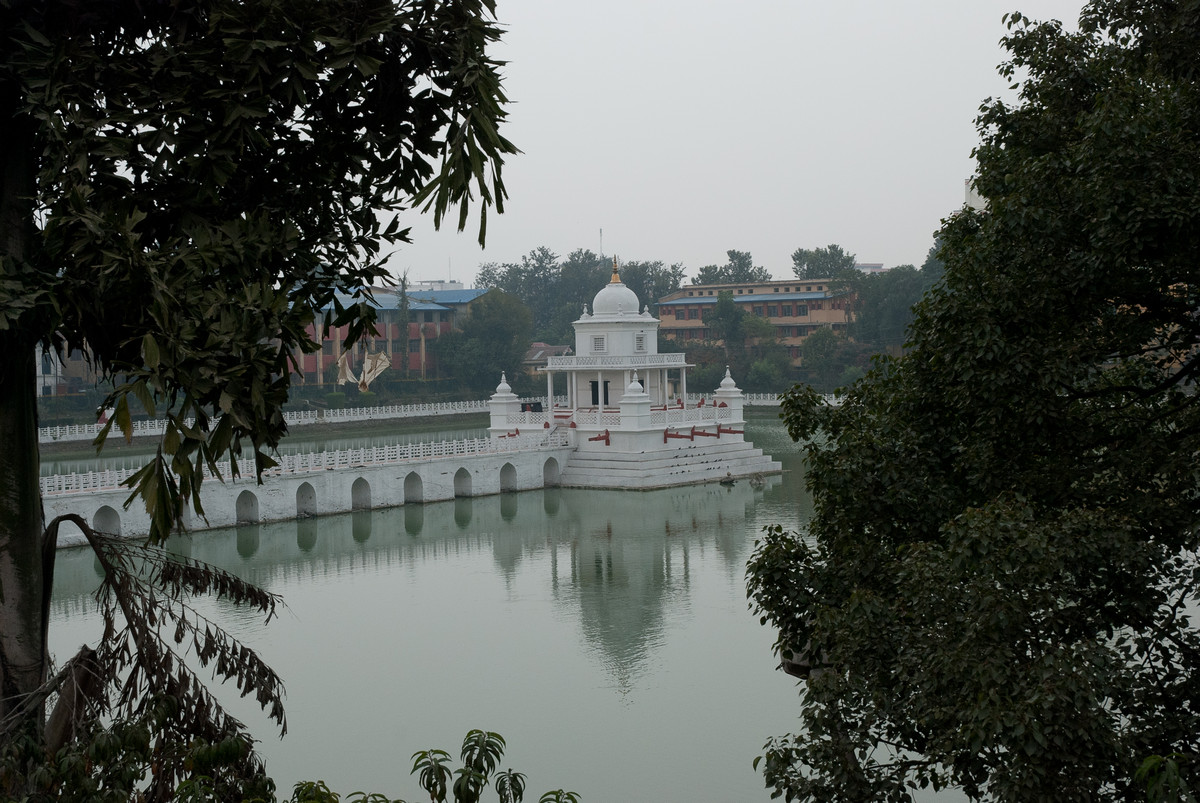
685, 128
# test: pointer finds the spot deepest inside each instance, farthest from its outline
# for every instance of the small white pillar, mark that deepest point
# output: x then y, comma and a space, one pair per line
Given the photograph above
635, 407
730, 395
503, 403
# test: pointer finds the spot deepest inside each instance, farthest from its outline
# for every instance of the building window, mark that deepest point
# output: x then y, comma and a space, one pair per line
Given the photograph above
758, 312
639, 342
598, 344
801, 310
739, 291
327, 347
786, 310
414, 346
690, 293
776, 289
817, 305
808, 288
693, 314
771, 310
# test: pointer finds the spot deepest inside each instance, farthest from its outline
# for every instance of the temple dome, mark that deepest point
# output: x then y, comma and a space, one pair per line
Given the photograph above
615, 298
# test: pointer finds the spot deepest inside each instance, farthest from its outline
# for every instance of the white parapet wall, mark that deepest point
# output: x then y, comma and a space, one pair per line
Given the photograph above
87, 432
328, 482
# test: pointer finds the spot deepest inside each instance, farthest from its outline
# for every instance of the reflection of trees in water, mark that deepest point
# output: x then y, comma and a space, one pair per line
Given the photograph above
620, 560
248, 538
463, 508
414, 519
306, 534
360, 525
508, 505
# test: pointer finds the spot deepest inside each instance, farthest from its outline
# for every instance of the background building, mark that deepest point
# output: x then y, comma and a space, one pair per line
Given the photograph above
795, 307
431, 314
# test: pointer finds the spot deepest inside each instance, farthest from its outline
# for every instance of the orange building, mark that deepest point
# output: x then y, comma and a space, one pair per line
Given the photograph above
795, 307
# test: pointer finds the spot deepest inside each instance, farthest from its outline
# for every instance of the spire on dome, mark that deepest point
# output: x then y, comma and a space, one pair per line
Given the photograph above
616, 274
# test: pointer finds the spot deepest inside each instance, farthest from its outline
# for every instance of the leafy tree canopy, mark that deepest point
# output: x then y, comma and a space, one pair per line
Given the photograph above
739, 269
995, 590
821, 263
495, 336
183, 188
652, 280
884, 302
555, 291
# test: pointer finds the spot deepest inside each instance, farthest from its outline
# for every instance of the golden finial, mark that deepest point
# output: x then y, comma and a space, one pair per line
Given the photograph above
616, 277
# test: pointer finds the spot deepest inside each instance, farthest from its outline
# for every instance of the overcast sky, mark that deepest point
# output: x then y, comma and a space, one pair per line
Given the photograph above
685, 128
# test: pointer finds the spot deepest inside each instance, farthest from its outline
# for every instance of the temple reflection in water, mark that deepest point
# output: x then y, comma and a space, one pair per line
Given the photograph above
617, 559
568, 620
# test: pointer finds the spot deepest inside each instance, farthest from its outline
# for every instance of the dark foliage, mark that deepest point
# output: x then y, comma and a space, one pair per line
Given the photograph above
995, 591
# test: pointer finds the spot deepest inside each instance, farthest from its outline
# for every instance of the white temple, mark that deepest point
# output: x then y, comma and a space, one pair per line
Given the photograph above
625, 412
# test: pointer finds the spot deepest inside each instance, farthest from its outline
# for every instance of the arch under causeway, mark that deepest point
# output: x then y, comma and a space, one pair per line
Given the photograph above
306, 501
508, 478
247, 508
360, 495
107, 520
414, 488
462, 482
551, 473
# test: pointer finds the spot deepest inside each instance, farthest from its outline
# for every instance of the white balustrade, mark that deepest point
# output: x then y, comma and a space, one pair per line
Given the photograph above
312, 462
81, 432
632, 361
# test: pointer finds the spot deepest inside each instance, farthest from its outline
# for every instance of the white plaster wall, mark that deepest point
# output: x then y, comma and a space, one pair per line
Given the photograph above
333, 489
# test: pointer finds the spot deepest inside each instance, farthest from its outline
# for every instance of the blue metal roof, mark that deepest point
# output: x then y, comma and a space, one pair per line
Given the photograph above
389, 301
446, 296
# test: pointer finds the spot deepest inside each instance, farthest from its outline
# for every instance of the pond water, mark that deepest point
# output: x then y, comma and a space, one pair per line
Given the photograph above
605, 634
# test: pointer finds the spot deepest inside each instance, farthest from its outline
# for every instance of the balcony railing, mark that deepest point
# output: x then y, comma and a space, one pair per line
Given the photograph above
631, 361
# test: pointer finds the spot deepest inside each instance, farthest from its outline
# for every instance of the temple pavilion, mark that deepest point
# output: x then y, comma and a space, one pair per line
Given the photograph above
627, 412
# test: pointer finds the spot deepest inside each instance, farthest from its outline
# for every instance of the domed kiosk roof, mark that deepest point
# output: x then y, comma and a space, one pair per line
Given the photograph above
615, 298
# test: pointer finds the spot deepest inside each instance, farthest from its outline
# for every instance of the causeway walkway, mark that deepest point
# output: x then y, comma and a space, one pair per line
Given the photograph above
346, 415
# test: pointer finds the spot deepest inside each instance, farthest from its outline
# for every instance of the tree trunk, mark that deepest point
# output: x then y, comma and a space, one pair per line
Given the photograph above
22, 584
22, 606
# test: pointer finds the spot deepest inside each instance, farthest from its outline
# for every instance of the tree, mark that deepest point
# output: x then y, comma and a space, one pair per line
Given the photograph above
183, 188
726, 322
652, 280
536, 281
818, 356
739, 269
494, 338
821, 263
402, 318
580, 277
884, 302
557, 291
994, 591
